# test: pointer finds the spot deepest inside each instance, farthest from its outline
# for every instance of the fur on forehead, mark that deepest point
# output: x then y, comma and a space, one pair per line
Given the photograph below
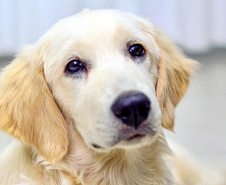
112, 29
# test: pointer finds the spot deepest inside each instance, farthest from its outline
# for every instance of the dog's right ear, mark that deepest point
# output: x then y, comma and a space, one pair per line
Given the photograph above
28, 110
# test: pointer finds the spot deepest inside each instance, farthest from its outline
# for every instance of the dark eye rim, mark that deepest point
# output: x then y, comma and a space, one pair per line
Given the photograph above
139, 55
82, 65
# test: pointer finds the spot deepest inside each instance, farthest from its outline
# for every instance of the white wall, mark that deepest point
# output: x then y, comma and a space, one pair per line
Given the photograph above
196, 25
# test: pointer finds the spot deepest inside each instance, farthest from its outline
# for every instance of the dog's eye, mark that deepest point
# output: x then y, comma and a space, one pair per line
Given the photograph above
137, 50
75, 66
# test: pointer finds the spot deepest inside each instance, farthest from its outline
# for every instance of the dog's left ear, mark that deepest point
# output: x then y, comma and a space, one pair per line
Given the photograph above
27, 108
174, 70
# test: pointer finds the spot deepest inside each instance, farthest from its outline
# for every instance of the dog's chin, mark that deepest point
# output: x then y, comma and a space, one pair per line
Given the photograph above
134, 142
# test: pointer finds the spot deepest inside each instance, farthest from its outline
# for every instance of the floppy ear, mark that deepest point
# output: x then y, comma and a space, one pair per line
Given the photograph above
28, 110
174, 70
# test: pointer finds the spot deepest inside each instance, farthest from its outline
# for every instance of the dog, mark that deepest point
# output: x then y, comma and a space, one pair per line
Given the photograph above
89, 102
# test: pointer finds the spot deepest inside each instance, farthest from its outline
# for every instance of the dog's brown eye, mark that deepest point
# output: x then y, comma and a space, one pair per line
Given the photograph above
75, 66
137, 50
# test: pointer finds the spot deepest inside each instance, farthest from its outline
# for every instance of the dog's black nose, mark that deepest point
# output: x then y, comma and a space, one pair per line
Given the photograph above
132, 108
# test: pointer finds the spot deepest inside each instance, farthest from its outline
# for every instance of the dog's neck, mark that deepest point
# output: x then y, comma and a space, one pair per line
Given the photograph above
145, 165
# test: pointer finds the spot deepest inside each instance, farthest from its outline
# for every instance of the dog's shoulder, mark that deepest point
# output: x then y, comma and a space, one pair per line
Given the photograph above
14, 158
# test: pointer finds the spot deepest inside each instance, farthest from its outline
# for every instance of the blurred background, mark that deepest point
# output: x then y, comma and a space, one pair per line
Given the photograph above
197, 26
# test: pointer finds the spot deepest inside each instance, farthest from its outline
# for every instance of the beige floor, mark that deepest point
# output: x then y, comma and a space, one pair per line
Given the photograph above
201, 115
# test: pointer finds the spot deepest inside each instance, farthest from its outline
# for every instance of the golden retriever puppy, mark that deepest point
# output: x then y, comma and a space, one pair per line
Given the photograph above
89, 101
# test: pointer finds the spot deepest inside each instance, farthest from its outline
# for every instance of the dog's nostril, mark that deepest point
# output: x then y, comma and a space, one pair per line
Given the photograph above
126, 112
132, 108
144, 109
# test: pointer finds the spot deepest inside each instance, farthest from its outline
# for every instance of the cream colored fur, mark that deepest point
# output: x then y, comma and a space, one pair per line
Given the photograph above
57, 117
188, 171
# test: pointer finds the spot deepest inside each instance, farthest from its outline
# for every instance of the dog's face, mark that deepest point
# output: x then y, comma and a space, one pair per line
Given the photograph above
102, 71
112, 73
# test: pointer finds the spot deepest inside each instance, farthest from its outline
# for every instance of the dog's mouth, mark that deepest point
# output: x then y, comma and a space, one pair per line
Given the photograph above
135, 137
129, 137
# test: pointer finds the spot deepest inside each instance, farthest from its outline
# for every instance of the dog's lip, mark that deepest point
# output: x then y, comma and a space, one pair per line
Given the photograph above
135, 136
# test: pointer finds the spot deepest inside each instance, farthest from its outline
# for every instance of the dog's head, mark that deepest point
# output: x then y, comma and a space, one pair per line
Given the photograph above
114, 74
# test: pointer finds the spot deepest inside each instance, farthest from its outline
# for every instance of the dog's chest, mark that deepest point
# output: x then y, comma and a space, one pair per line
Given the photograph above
123, 170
